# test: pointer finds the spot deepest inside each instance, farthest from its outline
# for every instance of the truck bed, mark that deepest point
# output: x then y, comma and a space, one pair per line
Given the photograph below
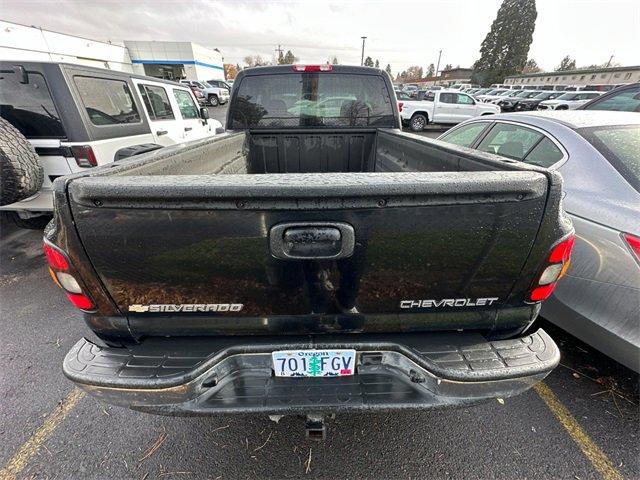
264, 152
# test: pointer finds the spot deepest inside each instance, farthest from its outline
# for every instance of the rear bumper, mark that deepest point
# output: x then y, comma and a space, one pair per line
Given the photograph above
201, 376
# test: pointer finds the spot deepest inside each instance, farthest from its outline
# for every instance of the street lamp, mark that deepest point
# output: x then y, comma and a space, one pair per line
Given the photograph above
362, 57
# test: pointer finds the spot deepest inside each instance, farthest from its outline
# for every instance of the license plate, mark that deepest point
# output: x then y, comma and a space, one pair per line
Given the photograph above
314, 363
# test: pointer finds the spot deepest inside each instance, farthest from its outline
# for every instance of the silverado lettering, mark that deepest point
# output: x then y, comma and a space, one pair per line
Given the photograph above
187, 307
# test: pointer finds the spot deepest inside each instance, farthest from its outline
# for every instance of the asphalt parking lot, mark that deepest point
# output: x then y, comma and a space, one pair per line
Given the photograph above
581, 423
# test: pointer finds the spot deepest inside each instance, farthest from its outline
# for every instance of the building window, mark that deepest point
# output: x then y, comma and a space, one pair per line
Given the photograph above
627, 76
604, 75
582, 77
574, 77
593, 77
616, 75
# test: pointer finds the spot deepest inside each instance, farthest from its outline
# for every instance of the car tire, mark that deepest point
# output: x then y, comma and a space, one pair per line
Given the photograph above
418, 122
32, 223
213, 100
21, 173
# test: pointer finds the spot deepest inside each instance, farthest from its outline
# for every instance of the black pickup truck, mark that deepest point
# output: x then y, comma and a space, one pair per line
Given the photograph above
313, 259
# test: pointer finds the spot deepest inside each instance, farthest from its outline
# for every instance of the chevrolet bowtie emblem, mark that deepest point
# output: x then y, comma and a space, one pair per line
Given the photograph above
139, 308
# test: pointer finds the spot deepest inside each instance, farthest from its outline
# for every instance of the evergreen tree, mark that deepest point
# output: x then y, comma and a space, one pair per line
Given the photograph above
289, 58
388, 69
505, 48
334, 60
368, 62
448, 66
315, 368
531, 66
377, 65
280, 58
567, 63
431, 70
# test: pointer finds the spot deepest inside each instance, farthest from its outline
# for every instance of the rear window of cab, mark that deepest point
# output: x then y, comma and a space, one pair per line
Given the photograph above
312, 100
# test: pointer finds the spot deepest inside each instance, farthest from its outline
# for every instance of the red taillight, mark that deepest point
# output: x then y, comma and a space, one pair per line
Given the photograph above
554, 269
80, 301
62, 276
634, 244
312, 68
542, 293
400, 105
84, 156
56, 260
562, 251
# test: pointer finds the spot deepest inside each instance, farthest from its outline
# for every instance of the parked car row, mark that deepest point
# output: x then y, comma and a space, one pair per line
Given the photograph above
76, 117
423, 107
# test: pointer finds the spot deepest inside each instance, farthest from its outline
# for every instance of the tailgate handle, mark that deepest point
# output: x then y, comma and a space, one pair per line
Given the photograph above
323, 240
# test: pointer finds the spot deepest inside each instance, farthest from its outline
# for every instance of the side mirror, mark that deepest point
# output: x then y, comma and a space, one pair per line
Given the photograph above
204, 113
219, 130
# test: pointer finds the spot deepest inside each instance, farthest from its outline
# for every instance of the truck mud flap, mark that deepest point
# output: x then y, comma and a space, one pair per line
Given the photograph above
207, 375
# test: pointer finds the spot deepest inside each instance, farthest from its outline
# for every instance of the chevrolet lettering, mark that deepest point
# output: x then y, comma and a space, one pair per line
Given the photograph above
448, 302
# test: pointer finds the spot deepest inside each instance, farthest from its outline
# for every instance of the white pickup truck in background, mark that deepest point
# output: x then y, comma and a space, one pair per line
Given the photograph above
442, 106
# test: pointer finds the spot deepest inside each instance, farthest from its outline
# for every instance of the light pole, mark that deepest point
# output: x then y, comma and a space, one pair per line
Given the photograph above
438, 67
362, 56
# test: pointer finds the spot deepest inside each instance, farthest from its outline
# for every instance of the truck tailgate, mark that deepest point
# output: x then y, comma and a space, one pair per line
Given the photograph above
428, 250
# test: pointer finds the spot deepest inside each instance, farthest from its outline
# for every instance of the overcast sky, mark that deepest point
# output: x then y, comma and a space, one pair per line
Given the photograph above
399, 33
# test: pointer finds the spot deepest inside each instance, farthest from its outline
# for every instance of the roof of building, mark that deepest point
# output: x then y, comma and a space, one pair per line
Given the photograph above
577, 71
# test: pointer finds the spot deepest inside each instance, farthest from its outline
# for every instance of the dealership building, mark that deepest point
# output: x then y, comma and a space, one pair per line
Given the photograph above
584, 76
175, 60
170, 60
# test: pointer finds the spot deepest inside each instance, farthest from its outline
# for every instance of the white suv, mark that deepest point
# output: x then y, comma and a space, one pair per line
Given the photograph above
59, 119
568, 101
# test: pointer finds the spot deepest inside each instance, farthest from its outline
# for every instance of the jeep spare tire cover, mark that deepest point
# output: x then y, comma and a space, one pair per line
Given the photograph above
21, 174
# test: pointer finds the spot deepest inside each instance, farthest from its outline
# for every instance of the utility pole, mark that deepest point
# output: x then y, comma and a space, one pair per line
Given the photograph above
438, 67
362, 56
279, 50
609, 62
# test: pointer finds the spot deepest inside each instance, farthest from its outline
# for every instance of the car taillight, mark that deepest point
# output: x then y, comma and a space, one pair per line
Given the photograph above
60, 270
84, 156
312, 68
556, 266
634, 244
400, 105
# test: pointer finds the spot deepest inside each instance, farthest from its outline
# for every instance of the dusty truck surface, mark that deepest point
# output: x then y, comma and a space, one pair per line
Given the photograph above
313, 259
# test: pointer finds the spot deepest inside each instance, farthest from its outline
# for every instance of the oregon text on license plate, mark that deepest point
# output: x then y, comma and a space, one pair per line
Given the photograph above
314, 363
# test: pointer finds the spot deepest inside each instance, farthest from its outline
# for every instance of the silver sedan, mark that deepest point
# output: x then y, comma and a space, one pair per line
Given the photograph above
598, 154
